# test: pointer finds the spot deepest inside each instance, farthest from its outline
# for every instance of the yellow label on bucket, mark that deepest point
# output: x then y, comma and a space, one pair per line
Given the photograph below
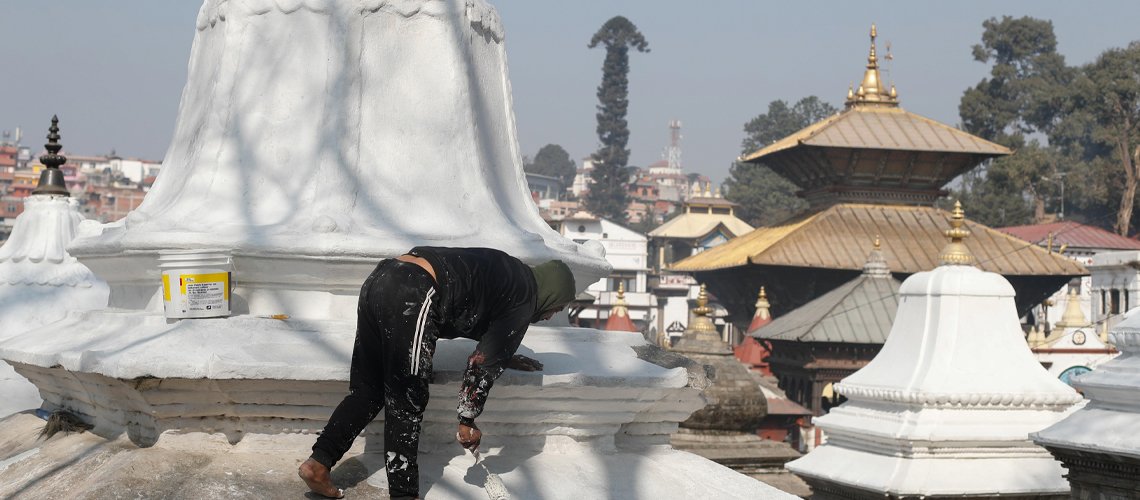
165, 287
213, 280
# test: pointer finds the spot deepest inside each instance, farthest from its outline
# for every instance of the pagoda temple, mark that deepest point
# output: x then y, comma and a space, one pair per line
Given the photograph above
872, 169
833, 336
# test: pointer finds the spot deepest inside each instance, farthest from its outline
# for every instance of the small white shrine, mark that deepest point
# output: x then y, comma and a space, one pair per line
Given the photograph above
947, 406
40, 282
1074, 346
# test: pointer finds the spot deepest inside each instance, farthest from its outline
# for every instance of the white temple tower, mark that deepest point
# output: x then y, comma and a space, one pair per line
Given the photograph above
947, 406
314, 138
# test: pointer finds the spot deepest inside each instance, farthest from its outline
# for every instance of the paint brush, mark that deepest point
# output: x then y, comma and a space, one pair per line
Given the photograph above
494, 486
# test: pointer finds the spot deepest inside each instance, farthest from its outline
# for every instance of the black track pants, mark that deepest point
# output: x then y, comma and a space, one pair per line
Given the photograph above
391, 368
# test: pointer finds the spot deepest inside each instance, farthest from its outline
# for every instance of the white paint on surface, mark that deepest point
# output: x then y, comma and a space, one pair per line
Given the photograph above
8, 462
40, 283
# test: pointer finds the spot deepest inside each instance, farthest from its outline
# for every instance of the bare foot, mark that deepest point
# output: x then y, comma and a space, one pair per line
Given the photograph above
316, 476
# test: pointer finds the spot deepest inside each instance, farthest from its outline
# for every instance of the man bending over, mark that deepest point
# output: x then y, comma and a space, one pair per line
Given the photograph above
405, 305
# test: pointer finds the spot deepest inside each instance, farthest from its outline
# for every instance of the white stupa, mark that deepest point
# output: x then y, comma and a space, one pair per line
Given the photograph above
39, 281
1100, 443
314, 138
947, 406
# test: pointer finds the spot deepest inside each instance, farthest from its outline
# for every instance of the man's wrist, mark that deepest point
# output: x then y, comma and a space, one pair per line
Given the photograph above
469, 422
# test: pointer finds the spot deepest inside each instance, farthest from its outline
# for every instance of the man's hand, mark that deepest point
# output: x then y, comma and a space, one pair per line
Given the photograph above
469, 436
523, 363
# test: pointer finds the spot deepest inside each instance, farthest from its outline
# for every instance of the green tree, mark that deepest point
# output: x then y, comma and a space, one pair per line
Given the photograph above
1022, 97
553, 161
1104, 123
764, 197
608, 194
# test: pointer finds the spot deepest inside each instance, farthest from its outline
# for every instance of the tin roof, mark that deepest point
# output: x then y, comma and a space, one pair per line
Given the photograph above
836, 237
882, 128
860, 311
1074, 234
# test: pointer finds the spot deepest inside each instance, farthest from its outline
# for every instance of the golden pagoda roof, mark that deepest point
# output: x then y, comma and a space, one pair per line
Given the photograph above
696, 225
860, 127
912, 239
874, 150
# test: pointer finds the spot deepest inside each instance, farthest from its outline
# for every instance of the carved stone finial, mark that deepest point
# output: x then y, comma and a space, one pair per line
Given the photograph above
51, 179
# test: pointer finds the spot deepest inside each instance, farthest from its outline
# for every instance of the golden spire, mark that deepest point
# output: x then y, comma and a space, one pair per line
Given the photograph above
872, 92
620, 308
878, 244
762, 305
701, 321
1073, 317
956, 252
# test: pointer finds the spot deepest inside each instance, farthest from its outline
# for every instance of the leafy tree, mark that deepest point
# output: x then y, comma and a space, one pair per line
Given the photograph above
608, 196
1023, 96
553, 161
764, 197
1104, 122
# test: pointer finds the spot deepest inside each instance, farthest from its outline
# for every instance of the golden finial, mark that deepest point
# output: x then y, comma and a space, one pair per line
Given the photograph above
762, 306
871, 59
878, 244
894, 93
621, 292
850, 92
956, 252
872, 91
703, 308
701, 322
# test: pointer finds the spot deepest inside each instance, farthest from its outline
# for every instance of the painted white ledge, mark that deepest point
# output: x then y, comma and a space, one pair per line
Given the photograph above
136, 372
598, 416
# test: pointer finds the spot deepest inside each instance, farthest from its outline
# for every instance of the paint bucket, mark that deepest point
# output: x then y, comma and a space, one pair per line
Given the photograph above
195, 283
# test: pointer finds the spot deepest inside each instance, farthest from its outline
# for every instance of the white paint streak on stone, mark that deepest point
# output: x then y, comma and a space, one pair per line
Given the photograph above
4, 464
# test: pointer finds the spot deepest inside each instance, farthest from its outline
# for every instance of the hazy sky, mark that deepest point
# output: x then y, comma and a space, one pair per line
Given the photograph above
114, 71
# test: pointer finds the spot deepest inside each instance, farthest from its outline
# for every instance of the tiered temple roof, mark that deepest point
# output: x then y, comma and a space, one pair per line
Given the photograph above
872, 169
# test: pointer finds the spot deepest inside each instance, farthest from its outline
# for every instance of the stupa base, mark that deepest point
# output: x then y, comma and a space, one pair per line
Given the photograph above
205, 466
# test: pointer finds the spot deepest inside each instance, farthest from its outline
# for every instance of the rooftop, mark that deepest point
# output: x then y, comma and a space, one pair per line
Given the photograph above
912, 237
1073, 234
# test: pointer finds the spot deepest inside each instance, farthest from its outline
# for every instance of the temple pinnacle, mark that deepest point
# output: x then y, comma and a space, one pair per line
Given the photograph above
51, 178
956, 252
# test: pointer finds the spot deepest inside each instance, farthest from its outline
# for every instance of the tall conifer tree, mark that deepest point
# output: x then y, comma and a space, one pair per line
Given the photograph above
608, 193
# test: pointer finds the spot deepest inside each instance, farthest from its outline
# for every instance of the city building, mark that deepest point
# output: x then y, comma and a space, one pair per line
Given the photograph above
1079, 242
626, 251
706, 222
